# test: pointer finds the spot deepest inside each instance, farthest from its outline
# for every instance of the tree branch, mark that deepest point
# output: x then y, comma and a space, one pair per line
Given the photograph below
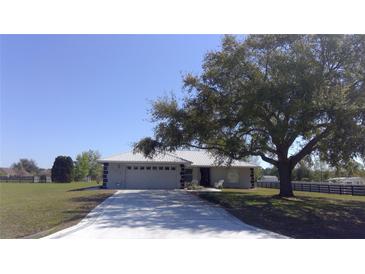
265, 158
308, 148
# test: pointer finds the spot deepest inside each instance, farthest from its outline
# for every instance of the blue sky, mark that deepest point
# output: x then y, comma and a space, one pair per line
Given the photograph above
64, 94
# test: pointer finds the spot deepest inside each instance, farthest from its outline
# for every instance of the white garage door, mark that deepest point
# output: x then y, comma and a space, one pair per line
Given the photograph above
152, 177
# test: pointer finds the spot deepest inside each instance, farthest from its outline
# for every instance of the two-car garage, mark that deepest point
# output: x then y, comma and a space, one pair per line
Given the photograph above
152, 177
142, 176
135, 171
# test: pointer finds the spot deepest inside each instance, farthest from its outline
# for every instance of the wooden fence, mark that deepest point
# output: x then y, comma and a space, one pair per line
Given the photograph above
320, 187
25, 179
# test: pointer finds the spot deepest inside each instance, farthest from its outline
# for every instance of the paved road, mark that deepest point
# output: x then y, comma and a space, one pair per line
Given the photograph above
160, 214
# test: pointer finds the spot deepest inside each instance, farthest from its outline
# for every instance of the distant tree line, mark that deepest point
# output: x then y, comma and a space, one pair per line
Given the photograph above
86, 167
27, 167
64, 169
311, 169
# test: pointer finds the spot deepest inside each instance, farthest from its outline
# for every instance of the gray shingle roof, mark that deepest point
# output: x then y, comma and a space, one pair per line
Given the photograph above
8, 171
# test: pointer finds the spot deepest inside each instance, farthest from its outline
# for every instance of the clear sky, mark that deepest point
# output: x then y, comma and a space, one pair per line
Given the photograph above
64, 94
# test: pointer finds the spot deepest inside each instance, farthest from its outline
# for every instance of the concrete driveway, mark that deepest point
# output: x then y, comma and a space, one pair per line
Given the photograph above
160, 214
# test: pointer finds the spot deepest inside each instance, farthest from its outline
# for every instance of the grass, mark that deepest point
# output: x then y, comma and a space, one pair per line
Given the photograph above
307, 216
35, 210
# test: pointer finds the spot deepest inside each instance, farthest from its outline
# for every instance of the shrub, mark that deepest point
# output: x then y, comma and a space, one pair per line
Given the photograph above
62, 169
192, 185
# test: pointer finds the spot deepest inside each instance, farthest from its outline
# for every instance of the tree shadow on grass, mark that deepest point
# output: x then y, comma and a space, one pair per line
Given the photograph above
93, 198
85, 205
302, 217
85, 188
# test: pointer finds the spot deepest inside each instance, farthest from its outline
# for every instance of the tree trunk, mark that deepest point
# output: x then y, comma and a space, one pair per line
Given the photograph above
285, 171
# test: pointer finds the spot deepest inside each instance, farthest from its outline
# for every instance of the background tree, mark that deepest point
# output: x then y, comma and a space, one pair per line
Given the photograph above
302, 172
271, 171
349, 169
62, 169
82, 166
267, 95
258, 172
86, 165
96, 169
28, 165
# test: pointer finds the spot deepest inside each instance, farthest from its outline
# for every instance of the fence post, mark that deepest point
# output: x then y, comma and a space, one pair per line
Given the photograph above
352, 190
340, 189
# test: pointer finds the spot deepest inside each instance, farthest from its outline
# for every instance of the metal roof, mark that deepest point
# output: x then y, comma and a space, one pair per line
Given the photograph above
190, 157
130, 157
204, 158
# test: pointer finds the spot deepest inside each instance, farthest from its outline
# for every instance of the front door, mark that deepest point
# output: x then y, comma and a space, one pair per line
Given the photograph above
205, 176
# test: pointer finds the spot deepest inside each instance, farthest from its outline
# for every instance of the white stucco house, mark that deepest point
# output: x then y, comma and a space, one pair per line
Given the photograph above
269, 179
171, 170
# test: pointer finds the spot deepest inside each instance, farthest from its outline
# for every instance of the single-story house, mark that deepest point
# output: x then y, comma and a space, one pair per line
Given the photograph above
269, 179
9, 171
347, 180
171, 170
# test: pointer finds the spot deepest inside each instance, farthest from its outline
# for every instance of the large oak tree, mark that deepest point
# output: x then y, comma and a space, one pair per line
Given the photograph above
279, 97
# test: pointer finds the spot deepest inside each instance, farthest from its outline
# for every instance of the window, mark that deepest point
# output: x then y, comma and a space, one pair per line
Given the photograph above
173, 168
233, 176
188, 175
167, 168
154, 168
129, 167
148, 168
135, 167
141, 168
160, 167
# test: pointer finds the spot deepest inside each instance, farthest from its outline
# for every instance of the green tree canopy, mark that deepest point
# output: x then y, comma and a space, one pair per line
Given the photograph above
280, 97
302, 171
28, 165
350, 168
62, 169
86, 165
82, 166
96, 168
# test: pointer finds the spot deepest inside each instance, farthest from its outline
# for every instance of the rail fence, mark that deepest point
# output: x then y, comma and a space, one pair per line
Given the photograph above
320, 187
25, 179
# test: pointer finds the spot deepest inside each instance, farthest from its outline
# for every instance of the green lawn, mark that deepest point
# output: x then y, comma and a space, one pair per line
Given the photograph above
308, 215
35, 210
